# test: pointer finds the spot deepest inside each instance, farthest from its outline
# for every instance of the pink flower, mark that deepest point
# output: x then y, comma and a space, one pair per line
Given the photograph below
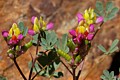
77, 39
31, 32
32, 19
73, 32
80, 17
5, 33
91, 28
12, 42
50, 26
90, 36
20, 37
99, 19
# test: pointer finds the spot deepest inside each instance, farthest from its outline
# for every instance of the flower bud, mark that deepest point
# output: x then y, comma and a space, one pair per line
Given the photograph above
17, 48
11, 51
11, 55
99, 19
50, 26
5, 34
64, 55
28, 45
78, 59
70, 44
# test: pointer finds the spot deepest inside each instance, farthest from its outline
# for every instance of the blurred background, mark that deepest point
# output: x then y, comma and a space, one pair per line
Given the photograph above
63, 14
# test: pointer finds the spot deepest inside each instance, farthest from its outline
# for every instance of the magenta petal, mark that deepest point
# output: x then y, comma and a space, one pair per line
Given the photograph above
79, 38
32, 19
31, 32
80, 17
75, 40
20, 37
12, 42
90, 36
50, 26
72, 32
5, 33
99, 19
91, 28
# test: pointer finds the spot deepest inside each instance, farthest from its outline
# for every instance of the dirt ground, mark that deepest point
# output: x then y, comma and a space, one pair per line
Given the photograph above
63, 14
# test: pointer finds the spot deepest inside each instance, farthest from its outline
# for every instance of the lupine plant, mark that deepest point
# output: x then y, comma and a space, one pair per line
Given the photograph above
68, 50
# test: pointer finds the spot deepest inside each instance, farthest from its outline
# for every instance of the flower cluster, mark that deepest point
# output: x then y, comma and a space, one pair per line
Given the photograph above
13, 37
39, 24
85, 29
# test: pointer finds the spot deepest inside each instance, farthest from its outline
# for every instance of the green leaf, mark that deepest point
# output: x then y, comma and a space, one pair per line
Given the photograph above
49, 41
2, 77
102, 48
99, 6
36, 68
62, 44
21, 26
106, 73
64, 41
114, 49
114, 44
111, 15
112, 74
25, 31
58, 74
52, 59
97, 12
109, 6
43, 41
103, 77
35, 38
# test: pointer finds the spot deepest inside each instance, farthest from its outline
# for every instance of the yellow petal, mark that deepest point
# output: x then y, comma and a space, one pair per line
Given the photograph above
86, 15
10, 32
90, 22
81, 29
16, 32
36, 25
14, 26
36, 28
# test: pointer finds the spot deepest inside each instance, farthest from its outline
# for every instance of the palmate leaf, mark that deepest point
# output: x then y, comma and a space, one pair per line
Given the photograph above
113, 47
22, 28
53, 62
102, 48
107, 76
111, 14
62, 44
58, 74
49, 41
25, 31
109, 6
99, 6
108, 12
35, 38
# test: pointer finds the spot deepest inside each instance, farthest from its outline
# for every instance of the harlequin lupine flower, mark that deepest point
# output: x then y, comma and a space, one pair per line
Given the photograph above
39, 25
89, 17
85, 28
13, 36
